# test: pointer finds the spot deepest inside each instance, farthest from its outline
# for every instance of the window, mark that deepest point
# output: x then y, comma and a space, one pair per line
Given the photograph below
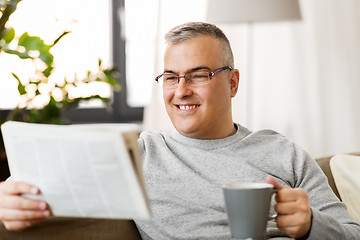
95, 33
140, 37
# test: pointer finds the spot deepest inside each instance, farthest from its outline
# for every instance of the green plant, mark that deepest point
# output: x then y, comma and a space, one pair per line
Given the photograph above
57, 97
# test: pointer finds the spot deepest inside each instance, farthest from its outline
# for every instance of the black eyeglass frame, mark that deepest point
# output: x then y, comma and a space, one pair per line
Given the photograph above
187, 81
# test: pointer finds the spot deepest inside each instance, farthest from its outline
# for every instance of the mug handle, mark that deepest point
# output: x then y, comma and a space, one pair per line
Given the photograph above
272, 217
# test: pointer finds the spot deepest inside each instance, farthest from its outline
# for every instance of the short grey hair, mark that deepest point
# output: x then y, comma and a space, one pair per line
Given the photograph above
192, 30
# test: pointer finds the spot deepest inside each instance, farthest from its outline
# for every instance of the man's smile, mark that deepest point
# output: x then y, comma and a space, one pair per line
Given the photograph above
186, 107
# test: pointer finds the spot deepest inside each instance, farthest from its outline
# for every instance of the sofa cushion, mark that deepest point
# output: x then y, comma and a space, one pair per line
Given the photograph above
346, 169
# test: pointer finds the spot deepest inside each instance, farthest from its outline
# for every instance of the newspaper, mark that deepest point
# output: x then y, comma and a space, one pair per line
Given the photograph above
81, 170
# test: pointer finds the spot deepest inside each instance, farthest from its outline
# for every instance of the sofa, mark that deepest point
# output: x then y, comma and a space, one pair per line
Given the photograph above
104, 229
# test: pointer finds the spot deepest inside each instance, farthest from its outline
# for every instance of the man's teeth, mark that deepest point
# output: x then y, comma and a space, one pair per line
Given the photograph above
187, 107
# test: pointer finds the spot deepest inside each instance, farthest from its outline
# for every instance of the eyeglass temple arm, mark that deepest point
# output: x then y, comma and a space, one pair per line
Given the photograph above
220, 70
159, 76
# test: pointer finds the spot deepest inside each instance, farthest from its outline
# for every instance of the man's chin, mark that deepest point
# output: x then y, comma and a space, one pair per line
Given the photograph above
187, 131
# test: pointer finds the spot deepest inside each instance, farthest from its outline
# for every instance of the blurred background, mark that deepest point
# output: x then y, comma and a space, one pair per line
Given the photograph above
300, 75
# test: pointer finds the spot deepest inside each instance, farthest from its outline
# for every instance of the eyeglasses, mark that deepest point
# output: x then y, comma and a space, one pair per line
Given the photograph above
195, 78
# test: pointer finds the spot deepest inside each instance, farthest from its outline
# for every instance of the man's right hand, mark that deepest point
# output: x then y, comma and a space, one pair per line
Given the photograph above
17, 212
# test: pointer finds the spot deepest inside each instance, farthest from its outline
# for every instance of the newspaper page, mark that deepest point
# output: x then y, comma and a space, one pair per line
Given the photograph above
82, 170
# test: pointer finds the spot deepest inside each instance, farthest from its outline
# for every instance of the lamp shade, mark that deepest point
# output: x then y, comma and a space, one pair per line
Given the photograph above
235, 11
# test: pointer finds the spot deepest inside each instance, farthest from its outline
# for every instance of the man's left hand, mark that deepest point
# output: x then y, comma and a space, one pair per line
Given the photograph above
293, 208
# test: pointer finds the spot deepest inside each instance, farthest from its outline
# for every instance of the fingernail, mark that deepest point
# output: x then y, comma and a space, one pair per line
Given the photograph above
42, 205
46, 213
34, 190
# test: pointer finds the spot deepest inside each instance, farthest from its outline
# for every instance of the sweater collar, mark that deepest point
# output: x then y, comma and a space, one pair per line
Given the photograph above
211, 143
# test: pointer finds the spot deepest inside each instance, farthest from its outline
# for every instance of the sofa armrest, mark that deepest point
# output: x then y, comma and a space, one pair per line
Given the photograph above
324, 164
75, 228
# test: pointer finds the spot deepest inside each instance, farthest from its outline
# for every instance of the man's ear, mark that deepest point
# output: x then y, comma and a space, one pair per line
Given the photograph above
234, 81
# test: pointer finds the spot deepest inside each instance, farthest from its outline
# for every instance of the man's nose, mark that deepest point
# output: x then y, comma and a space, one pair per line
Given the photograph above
179, 79
183, 88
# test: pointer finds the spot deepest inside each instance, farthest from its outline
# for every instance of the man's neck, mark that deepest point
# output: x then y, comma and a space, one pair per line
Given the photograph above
219, 134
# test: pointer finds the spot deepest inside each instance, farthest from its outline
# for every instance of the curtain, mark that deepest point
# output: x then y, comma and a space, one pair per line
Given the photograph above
299, 78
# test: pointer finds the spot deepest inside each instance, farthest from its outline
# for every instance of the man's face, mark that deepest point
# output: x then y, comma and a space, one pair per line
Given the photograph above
200, 111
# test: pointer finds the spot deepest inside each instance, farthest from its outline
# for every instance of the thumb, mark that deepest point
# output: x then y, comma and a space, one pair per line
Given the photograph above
271, 180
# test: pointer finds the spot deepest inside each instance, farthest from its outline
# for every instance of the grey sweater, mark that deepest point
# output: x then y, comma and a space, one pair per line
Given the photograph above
184, 179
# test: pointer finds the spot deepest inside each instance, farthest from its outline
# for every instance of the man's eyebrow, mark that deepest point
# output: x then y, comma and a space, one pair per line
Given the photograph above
190, 70
199, 68
169, 71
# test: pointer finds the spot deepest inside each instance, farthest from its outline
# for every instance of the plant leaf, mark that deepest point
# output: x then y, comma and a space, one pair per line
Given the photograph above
37, 44
21, 87
58, 39
46, 56
31, 43
34, 116
51, 112
9, 35
111, 78
21, 55
47, 71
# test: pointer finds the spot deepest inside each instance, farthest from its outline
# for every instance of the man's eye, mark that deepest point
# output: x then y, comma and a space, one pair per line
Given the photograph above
200, 75
170, 78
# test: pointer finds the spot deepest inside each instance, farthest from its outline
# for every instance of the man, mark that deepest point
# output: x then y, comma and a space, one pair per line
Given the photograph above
184, 171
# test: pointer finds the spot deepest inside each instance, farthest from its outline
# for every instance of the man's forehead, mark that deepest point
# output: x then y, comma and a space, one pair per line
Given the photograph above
193, 54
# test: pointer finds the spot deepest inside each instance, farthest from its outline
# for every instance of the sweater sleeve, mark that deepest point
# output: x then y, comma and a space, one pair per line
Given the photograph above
326, 227
330, 218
